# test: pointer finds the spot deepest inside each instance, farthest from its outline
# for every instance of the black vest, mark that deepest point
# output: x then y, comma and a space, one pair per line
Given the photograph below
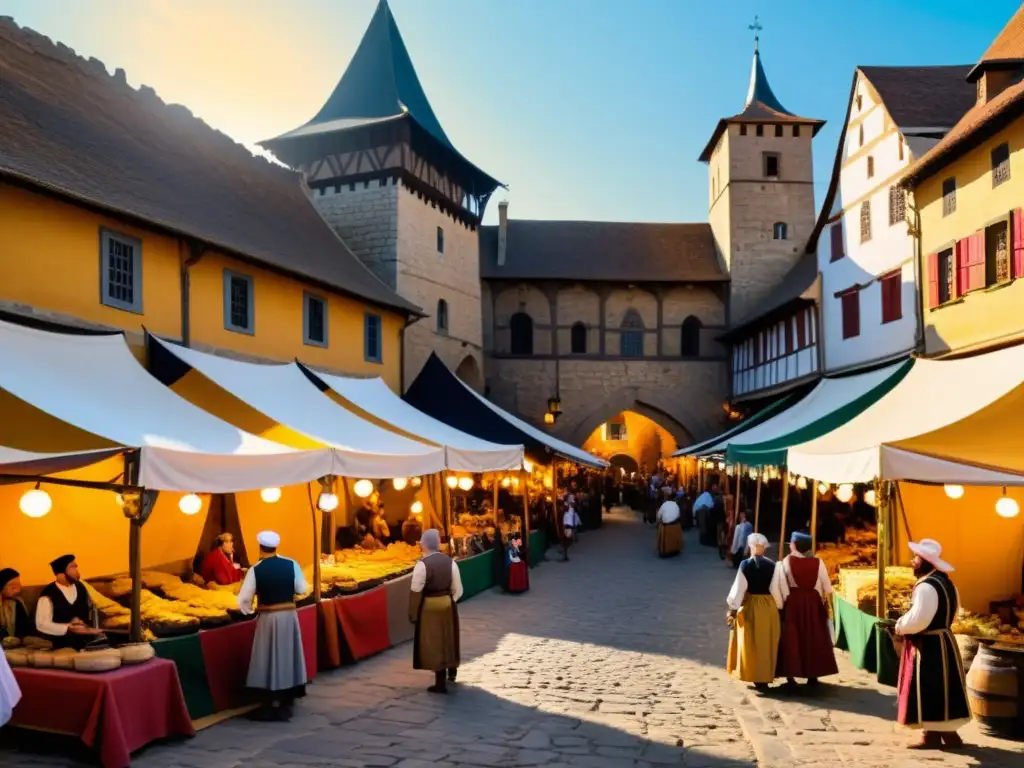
65, 612
947, 609
758, 572
275, 581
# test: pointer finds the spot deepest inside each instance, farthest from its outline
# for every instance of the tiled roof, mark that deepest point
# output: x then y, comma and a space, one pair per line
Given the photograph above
800, 283
1008, 47
69, 127
923, 97
600, 250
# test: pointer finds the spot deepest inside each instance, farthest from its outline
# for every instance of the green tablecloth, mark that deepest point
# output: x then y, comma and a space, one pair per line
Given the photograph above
477, 573
187, 654
538, 546
869, 646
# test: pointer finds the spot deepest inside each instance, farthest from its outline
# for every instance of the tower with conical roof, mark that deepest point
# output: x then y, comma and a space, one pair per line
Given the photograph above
760, 190
386, 176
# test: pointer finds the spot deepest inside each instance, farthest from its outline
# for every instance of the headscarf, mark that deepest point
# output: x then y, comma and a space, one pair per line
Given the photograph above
431, 540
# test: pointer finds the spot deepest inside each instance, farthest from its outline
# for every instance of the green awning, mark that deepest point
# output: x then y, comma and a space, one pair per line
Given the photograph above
761, 416
829, 405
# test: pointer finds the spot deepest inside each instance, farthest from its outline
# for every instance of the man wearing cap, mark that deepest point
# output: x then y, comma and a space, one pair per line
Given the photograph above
436, 587
64, 610
277, 666
932, 692
15, 623
800, 586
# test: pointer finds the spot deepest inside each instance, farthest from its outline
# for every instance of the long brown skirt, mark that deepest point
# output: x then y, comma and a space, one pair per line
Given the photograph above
436, 645
754, 640
670, 539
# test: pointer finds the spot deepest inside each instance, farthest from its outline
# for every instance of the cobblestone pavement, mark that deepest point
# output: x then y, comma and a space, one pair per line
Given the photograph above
613, 659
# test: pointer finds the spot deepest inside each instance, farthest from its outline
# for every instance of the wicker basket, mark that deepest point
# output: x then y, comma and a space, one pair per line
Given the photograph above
136, 653
97, 662
17, 657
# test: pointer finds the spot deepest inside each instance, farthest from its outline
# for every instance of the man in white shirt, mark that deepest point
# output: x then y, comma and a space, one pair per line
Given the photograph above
738, 549
702, 508
670, 530
64, 610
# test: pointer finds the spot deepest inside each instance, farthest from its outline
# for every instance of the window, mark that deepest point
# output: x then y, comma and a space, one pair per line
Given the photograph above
892, 297
949, 196
779, 231
770, 164
1000, 164
796, 131
851, 313
860, 102
314, 320
689, 341
836, 236
997, 254
578, 339
442, 316
372, 345
631, 335
778, 131
616, 430
901, 148
759, 130
860, 134
440, 240
238, 309
521, 330
897, 205
945, 269
865, 221
871, 167
120, 271
743, 129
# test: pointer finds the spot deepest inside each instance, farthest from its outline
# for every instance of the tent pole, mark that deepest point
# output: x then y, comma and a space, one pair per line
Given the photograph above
497, 516
317, 543
757, 505
881, 521
814, 518
446, 505
136, 517
736, 506
526, 510
785, 506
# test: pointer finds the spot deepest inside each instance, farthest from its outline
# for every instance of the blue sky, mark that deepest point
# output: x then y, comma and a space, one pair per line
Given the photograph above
587, 109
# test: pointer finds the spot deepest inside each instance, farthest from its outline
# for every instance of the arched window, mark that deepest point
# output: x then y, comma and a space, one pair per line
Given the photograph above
689, 342
521, 329
442, 316
631, 335
780, 231
579, 339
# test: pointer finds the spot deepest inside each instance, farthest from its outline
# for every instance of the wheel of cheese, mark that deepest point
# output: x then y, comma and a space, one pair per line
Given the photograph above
136, 653
64, 658
97, 662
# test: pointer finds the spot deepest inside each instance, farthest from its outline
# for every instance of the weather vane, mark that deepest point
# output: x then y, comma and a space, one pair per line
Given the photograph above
756, 28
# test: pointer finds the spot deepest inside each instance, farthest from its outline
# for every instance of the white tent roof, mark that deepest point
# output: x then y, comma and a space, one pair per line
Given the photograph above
464, 453
283, 393
934, 394
96, 384
828, 396
15, 462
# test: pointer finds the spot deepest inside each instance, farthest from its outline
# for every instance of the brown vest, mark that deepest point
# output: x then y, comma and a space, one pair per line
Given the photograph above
439, 575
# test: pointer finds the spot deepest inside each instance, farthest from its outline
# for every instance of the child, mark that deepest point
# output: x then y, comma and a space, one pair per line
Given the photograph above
570, 522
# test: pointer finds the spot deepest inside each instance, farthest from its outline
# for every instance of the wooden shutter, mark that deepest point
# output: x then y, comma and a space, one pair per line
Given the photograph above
836, 233
933, 279
851, 313
978, 279
1017, 224
961, 266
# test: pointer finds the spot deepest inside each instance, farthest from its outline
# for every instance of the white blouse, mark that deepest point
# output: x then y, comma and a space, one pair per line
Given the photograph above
419, 579
780, 584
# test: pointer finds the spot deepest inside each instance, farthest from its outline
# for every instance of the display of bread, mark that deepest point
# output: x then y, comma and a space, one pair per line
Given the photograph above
97, 661
136, 653
898, 589
354, 567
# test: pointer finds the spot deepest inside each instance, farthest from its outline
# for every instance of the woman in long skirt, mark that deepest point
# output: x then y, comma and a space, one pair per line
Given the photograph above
754, 618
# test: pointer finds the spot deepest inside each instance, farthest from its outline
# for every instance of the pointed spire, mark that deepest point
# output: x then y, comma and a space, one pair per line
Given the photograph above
759, 91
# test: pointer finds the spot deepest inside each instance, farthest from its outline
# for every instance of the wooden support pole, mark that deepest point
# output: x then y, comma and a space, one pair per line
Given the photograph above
135, 568
814, 518
526, 510
497, 515
317, 538
736, 506
785, 506
882, 521
757, 505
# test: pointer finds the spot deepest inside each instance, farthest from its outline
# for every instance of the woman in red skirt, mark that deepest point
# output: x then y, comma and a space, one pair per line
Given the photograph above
800, 585
517, 573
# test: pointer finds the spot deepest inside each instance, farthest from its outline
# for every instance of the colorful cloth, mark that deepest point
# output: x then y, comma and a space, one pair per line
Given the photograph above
806, 644
219, 569
754, 640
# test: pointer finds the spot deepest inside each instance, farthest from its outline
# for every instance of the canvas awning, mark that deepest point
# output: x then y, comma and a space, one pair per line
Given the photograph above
463, 452
948, 421
830, 404
441, 394
61, 392
698, 449
15, 462
279, 402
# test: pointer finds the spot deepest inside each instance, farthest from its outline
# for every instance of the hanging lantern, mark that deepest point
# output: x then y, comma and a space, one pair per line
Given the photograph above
776, 474
844, 492
527, 466
190, 504
363, 488
327, 501
869, 497
400, 483
271, 495
730, 470
549, 418
801, 483
35, 503
416, 482
753, 473
416, 507
452, 481
506, 481
954, 491
823, 488
1007, 507
792, 480
465, 483
721, 466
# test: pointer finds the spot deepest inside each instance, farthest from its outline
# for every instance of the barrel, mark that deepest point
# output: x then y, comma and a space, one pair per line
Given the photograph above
968, 649
995, 690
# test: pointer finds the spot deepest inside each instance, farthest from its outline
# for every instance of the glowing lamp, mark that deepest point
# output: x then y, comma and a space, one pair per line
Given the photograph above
792, 479
190, 504
363, 488
453, 482
954, 491
801, 483
400, 483
844, 492
327, 501
869, 497
416, 507
753, 473
527, 465
823, 488
416, 482
1007, 507
35, 503
721, 465
506, 482
271, 495
465, 483
549, 418
730, 470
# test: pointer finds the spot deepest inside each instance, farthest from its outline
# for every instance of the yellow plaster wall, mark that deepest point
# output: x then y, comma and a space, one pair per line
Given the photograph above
985, 315
646, 441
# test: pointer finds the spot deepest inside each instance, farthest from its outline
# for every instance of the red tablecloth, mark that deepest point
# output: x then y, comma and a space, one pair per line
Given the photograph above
364, 622
115, 712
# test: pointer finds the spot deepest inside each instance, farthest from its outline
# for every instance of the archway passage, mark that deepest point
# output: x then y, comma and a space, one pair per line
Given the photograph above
635, 436
469, 374
624, 462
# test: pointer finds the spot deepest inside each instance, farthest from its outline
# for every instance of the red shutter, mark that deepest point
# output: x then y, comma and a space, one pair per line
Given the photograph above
962, 267
933, 278
851, 313
892, 296
1018, 243
976, 261
837, 241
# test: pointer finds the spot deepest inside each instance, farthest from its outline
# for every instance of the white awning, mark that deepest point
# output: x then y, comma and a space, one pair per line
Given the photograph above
463, 453
95, 384
947, 421
15, 462
283, 393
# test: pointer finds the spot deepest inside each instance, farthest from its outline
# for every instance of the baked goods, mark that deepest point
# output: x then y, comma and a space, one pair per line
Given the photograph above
17, 657
64, 658
136, 653
97, 661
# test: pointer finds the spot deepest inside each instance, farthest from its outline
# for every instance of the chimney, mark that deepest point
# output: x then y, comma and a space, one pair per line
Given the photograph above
502, 232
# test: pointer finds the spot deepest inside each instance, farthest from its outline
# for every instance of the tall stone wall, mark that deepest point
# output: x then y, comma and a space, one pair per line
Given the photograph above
366, 217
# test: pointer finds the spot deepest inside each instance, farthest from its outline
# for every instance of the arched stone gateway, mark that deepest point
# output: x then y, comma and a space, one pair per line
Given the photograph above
624, 461
675, 417
469, 373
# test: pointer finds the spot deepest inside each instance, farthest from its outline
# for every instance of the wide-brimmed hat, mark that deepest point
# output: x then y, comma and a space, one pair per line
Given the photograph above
930, 551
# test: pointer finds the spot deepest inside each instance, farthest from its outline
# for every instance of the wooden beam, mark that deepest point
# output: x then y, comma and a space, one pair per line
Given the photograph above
757, 505
814, 518
785, 506
526, 511
882, 522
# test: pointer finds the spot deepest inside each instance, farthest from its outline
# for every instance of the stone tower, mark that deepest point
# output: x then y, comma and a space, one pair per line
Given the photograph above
761, 192
386, 176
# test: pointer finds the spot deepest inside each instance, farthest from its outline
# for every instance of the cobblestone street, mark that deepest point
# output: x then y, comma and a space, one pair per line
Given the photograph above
613, 659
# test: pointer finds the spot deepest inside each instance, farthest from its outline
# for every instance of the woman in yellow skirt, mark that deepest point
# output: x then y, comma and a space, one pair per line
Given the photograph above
754, 618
